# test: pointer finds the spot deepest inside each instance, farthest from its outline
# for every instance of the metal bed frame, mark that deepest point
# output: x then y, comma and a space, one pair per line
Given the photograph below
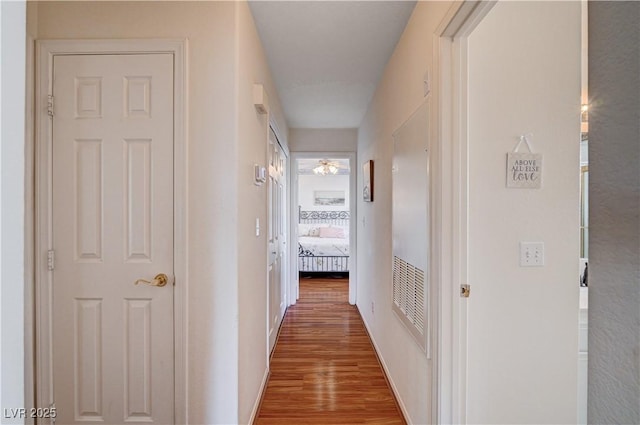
308, 262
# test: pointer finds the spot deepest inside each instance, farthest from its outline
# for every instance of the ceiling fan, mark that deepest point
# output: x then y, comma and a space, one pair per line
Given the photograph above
326, 167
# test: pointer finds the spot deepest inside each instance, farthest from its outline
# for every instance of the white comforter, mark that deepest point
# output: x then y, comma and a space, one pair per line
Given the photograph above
333, 247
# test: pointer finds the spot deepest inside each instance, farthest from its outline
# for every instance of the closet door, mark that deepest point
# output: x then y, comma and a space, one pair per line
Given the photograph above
112, 219
277, 237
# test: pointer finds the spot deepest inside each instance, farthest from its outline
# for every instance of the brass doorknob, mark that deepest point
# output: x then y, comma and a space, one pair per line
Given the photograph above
159, 280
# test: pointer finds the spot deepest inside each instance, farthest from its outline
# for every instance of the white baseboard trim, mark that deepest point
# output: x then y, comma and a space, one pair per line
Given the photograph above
256, 406
385, 370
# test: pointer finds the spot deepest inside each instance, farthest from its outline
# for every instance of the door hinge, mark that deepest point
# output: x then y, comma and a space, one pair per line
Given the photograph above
50, 105
465, 290
51, 260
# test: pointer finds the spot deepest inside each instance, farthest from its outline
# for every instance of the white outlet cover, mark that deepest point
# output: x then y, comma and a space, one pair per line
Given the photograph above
531, 254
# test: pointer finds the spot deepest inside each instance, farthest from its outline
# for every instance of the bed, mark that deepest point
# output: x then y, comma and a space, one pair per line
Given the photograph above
323, 241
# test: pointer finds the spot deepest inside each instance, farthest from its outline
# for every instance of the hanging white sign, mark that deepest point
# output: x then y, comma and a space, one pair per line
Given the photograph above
524, 170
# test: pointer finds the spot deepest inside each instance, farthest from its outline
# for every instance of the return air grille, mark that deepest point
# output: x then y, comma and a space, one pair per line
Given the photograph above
408, 295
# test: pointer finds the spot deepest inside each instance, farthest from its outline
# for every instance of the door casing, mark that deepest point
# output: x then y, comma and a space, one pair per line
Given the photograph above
293, 214
46, 50
451, 230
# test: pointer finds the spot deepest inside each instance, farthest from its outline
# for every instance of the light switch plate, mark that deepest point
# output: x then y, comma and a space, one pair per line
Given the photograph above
260, 175
531, 254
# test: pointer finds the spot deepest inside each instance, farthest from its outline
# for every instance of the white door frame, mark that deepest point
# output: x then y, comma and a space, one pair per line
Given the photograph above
46, 50
452, 168
293, 216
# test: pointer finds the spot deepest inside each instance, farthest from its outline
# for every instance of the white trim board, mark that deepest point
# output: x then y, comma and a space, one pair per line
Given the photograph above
46, 50
385, 370
261, 391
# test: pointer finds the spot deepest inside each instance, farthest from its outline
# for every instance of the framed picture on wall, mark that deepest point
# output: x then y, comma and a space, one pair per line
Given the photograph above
329, 198
367, 190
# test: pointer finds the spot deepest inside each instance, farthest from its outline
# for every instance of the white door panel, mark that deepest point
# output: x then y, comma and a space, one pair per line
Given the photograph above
113, 224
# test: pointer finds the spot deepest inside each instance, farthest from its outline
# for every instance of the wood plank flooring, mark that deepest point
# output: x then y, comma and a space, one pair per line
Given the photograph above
324, 369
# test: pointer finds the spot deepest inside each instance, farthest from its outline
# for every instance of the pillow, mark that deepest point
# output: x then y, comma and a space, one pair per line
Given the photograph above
308, 230
303, 230
332, 232
314, 231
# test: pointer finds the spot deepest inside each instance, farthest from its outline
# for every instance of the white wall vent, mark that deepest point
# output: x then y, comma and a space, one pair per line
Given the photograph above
411, 237
408, 297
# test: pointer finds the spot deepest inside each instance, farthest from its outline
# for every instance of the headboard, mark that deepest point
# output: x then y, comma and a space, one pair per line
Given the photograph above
336, 218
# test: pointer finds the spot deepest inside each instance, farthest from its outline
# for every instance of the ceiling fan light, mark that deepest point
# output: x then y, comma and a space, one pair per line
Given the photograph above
325, 167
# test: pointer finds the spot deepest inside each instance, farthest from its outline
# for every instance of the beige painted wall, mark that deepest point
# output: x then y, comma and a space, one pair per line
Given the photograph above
323, 139
522, 321
252, 203
399, 94
226, 309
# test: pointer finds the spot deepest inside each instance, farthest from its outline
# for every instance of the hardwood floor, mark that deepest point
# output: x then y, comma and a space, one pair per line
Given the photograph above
324, 369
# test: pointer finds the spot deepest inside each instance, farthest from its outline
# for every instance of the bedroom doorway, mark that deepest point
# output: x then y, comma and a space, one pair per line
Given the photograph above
323, 231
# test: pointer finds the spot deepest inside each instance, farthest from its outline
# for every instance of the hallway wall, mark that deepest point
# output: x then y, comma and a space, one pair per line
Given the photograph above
398, 95
614, 212
226, 352
252, 203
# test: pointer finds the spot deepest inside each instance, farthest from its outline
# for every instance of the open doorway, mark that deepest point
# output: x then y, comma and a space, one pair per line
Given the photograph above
323, 218
323, 204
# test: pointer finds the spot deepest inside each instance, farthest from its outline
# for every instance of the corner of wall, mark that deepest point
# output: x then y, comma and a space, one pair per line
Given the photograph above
251, 140
398, 95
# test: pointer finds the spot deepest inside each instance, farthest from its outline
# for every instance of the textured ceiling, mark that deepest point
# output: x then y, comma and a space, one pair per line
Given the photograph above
327, 57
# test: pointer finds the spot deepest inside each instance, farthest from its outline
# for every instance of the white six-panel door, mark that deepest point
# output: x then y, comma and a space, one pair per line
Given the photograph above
112, 197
